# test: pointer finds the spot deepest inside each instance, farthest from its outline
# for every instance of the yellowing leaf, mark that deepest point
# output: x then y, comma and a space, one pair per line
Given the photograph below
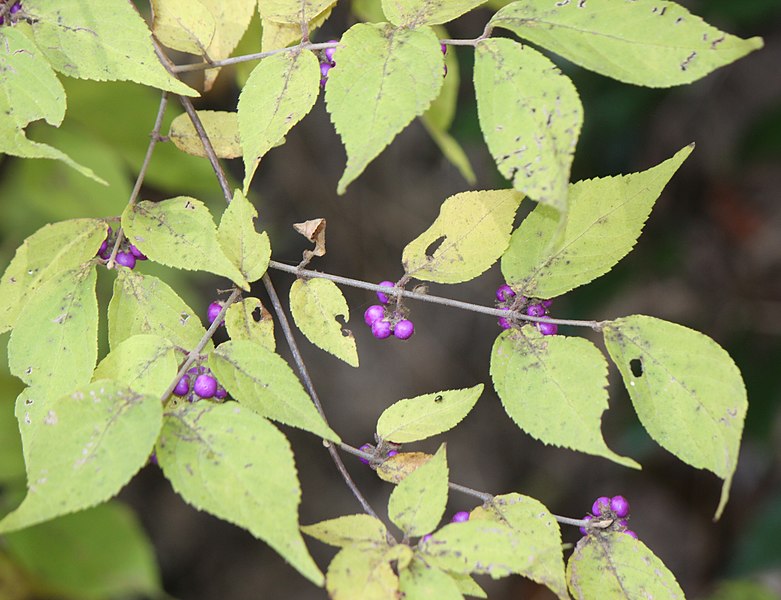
417, 503
421, 581
474, 229
221, 127
81, 448
279, 35
415, 13
292, 11
104, 41
658, 44
232, 18
350, 530
547, 258
687, 391
554, 388
184, 25
614, 565
530, 115
242, 324
247, 249
418, 418
395, 468
144, 363
280, 92
179, 232
358, 573
316, 305
384, 78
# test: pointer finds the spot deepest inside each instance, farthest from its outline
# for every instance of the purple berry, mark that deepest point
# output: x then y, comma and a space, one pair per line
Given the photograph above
329, 52
103, 248
583, 530
152, 459
381, 295
404, 329
547, 328
197, 370
183, 386
126, 259
535, 310
205, 386
373, 313
546, 304
137, 253
221, 393
444, 48
601, 505
17, 6
460, 517
369, 449
622, 523
324, 68
381, 329
391, 453
631, 533
426, 538
620, 506
504, 293
504, 323
213, 310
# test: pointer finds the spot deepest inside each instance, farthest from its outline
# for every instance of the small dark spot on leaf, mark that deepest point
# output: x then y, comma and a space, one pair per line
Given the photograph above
438, 398
636, 365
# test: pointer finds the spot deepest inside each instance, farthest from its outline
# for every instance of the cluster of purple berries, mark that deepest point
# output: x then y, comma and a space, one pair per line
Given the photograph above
508, 300
10, 12
382, 452
384, 322
128, 254
199, 384
615, 509
327, 63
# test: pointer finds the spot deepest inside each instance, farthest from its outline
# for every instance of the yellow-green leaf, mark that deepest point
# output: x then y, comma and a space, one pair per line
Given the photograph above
292, 11
280, 92
551, 253
530, 115
417, 503
350, 530
356, 572
421, 581
384, 78
145, 363
232, 18
469, 235
247, 249
415, 13
279, 35
316, 304
179, 232
658, 44
554, 388
241, 323
184, 25
687, 391
222, 128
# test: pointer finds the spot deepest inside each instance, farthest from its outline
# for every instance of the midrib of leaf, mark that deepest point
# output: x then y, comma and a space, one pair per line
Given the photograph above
600, 543
114, 416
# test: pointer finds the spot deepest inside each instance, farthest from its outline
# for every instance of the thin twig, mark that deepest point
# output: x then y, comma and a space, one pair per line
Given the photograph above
396, 291
195, 352
154, 138
249, 57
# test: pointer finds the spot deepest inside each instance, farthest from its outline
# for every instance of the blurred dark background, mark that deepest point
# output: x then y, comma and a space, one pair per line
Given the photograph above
709, 258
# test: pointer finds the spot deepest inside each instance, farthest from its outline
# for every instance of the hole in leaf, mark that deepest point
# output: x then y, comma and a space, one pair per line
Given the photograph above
342, 321
257, 315
637, 367
433, 246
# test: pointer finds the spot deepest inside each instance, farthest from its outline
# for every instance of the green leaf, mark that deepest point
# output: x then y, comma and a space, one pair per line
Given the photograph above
11, 458
277, 35
548, 257
468, 586
185, 25
421, 581
232, 18
104, 41
657, 44
539, 534
179, 232
294, 12
614, 565
263, 382
316, 304
417, 503
29, 91
280, 92
234, 464
554, 388
50, 250
82, 448
470, 233
221, 127
95, 554
350, 530
247, 249
145, 304
241, 323
385, 78
530, 115
421, 417
686, 390
54, 344
356, 572
145, 363
415, 13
